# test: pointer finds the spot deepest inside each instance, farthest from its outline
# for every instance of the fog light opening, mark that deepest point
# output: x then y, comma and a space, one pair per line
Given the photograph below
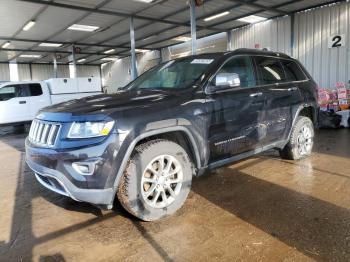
84, 168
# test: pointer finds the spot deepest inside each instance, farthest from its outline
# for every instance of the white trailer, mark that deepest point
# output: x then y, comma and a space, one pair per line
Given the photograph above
20, 101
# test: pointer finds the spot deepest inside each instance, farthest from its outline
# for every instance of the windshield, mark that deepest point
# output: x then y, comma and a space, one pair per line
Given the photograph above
173, 74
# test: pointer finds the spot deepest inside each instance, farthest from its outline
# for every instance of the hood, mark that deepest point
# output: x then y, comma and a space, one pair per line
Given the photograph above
108, 103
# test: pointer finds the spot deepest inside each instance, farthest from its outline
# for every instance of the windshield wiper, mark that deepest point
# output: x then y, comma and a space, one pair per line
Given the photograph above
155, 89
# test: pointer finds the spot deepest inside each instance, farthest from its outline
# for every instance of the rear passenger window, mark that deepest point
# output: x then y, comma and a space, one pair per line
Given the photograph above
35, 90
293, 71
270, 70
243, 67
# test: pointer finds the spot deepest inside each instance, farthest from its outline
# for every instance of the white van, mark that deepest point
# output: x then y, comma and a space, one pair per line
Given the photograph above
20, 101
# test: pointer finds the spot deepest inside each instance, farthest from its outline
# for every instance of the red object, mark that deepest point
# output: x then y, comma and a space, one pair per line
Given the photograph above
257, 45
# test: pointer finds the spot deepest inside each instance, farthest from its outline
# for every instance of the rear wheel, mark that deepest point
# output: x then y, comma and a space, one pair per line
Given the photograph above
156, 181
301, 140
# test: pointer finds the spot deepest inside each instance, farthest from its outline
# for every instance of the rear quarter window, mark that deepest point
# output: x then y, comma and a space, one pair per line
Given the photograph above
293, 71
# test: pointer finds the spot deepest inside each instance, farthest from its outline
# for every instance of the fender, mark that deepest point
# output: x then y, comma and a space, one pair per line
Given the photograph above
300, 108
149, 134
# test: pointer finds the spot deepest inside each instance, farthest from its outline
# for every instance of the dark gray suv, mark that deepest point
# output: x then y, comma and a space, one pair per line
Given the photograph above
146, 142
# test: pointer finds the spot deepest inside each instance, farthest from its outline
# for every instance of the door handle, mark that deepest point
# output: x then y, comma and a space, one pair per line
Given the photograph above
294, 88
22, 102
256, 94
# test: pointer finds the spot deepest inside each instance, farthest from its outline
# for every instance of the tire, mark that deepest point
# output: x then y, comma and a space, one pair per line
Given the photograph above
301, 140
144, 169
19, 128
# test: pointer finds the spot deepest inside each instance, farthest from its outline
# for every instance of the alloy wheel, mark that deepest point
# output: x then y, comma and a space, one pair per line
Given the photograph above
161, 181
305, 140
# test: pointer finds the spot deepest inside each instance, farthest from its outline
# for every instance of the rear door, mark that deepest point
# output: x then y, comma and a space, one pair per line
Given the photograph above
38, 97
297, 78
282, 94
236, 113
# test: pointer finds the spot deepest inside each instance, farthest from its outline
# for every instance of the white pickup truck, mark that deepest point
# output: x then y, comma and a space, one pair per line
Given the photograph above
20, 101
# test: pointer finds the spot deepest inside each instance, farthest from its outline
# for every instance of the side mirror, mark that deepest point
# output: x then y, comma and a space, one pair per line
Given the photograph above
227, 80
224, 81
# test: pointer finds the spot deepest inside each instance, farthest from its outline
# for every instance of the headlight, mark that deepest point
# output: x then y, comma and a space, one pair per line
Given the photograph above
90, 129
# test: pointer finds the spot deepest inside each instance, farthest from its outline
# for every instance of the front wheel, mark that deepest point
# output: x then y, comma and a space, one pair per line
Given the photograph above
156, 181
301, 140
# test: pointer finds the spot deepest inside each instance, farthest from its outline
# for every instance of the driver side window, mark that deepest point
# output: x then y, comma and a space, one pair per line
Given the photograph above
243, 67
9, 92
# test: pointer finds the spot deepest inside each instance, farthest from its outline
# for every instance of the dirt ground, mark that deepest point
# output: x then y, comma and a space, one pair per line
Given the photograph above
259, 209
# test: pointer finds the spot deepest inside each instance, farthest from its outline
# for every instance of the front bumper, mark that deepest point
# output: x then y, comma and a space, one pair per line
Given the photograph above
57, 182
53, 169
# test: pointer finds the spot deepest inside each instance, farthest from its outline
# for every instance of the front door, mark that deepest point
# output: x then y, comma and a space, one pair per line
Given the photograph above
236, 113
13, 104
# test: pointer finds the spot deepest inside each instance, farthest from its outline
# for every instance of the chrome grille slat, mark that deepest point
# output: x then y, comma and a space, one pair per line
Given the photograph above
32, 128
50, 139
35, 129
44, 133
38, 133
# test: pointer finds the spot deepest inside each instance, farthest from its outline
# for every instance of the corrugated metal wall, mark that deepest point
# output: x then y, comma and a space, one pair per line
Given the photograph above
40, 72
63, 71
210, 44
312, 32
117, 74
45, 71
4, 72
86, 71
273, 34
24, 72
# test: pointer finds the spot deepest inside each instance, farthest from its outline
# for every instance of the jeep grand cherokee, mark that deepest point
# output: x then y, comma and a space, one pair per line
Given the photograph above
144, 144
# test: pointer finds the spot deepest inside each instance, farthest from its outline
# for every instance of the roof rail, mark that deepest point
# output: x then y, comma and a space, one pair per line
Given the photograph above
252, 51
